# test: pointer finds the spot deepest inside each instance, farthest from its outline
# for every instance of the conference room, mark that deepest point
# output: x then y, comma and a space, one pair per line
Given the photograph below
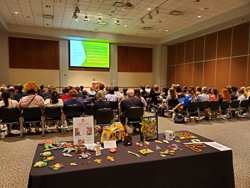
166, 45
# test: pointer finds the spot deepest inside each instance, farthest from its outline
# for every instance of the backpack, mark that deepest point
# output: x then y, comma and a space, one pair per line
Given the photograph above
179, 118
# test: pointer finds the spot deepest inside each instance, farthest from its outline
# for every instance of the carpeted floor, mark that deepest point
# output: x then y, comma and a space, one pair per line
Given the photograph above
16, 154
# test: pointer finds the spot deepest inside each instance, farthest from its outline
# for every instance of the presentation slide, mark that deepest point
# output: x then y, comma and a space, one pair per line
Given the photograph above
89, 54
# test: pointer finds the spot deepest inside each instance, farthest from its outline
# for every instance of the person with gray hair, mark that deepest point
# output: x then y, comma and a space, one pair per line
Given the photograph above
131, 101
203, 96
91, 92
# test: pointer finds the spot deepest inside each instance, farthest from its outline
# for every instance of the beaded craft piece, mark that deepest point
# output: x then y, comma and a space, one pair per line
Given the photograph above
68, 149
98, 160
110, 158
50, 158
56, 166
73, 164
145, 151
135, 154
175, 147
184, 135
40, 164
157, 147
46, 154
195, 147
167, 152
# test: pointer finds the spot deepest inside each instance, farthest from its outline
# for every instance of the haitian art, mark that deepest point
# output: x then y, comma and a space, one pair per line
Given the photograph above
149, 128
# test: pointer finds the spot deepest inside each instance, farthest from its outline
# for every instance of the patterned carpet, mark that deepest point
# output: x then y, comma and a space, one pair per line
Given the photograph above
16, 154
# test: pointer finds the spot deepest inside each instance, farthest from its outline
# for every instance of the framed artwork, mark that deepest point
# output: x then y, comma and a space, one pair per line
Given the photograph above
149, 128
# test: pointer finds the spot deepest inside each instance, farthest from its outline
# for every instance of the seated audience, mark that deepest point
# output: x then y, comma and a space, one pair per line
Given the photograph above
184, 89
203, 96
179, 93
229, 88
85, 96
45, 94
131, 101
96, 89
66, 96
100, 103
8, 103
11, 90
241, 96
138, 94
226, 95
81, 88
111, 96
248, 92
92, 92
118, 94
155, 95
214, 94
54, 100
245, 91
143, 91
73, 100
78, 89
107, 89
124, 95
48, 96
234, 93
101, 87
147, 89
32, 100
172, 95
19, 94
42, 88
190, 98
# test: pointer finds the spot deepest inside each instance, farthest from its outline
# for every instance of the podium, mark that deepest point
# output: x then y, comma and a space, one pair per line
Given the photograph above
95, 84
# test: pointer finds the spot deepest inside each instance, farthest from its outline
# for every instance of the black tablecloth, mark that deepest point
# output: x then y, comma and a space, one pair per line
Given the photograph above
210, 168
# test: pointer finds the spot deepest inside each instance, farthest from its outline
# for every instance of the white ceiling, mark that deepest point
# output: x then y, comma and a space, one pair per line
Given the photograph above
30, 13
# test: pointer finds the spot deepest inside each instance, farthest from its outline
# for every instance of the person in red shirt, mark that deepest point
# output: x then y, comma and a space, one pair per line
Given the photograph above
65, 96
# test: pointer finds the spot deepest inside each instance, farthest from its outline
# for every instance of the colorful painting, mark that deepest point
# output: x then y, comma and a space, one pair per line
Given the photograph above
149, 128
184, 135
113, 133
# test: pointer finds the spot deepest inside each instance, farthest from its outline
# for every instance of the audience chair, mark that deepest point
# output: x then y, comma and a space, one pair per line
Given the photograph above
115, 108
234, 105
202, 108
191, 109
243, 106
89, 109
171, 104
104, 117
134, 114
86, 102
53, 114
214, 107
224, 107
11, 116
33, 115
72, 111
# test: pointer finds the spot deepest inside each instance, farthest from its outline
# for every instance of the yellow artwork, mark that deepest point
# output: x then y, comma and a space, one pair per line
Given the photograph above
113, 133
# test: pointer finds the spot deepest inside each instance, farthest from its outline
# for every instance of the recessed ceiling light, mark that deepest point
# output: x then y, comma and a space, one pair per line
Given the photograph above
125, 26
28, 17
76, 20
149, 8
241, 19
47, 24
199, 16
16, 12
137, 33
96, 29
159, 21
166, 30
47, 6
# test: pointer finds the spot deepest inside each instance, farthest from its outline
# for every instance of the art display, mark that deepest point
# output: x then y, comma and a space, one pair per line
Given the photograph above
46, 154
167, 152
49, 145
72, 164
50, 158
98, 150
159, 142
67, 155
110, 158
69, 149
56, 166
175, 147
195, 147
113, 133
112, 150
149, 128
40, 164
185, 135
157, 147
84, 156
135, 154
146, 151
98, 161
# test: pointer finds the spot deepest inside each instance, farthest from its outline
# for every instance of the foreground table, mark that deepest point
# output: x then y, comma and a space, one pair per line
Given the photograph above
210, 168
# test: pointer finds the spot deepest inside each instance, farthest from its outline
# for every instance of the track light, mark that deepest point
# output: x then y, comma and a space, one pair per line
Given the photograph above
86, 18
142, 22
75, 15
150, 16
99, 19
77, 10
157, 11
117, 22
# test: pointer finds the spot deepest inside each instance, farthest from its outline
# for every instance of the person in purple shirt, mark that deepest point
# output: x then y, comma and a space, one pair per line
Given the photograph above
111, 96
85, 96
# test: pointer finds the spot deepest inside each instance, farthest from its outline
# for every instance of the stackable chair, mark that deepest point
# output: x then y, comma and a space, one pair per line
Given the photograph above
72, 111
33, 115
53, 114
115, 108
192, 109
86, 102
11, 116
224, 107
243, 106
89, 110
104, 117
214, 106
134, 114
202, 108
234, 106
171, 104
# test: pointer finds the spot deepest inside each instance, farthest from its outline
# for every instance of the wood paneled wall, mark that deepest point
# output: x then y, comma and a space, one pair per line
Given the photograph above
134, 59
33, 53
218, 59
